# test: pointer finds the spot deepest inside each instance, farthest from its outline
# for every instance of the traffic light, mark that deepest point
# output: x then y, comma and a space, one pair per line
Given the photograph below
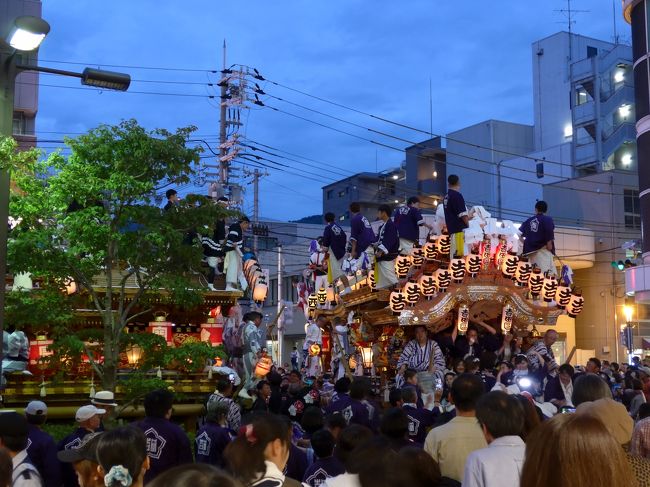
622, 265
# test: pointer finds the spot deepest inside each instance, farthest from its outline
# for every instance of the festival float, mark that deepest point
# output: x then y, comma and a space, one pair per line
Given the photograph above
492, 284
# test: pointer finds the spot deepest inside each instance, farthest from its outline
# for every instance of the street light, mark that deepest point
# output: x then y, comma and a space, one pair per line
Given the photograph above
26, 35
628, 311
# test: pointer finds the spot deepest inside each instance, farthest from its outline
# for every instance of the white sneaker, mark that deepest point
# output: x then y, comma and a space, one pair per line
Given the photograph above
211, 287
231, 288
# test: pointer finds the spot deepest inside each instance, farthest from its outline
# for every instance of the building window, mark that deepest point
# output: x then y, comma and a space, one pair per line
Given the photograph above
19, 123
581, 95
341, 193
540, 170
631, 210
330, 194
592, 51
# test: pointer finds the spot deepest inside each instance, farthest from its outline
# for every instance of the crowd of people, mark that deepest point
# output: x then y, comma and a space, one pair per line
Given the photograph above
483, 427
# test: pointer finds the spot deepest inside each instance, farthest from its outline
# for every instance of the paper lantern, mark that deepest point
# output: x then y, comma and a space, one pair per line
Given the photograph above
417, 257
509, 267
501, 253
331, 295
366, 355
312, 301
260, 291
463, 319
443, 280
443, 245
507, 316
314, 350
249, 263
412, 292
133, 354
563, 296
472, 264
402, 266
485, 253
457, 270
321, 296
263, 366
397, 302
522, 274
71, 286
536, 282
430, 252
574, 308
549, 288
371, 279
427, 285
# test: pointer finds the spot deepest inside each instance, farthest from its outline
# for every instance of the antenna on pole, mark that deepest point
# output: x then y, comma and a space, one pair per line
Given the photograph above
430, 109
570, 13
614, 21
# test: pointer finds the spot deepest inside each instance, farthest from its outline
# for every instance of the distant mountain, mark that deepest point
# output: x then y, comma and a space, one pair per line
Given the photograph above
313, 219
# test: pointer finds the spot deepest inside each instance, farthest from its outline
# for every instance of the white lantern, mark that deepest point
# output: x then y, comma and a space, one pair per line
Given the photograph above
430, 252
522, 274
549, 288
577, 302
260, 291
509, 267
443, 279
427, 285
397, 302
501, 253
472, 264
321, 296
312, 301
443, 245
536, 282
371, 279
402, 266
412, 292
457, 270
507, 316
463, 319
417, 257
563, 296
485, 252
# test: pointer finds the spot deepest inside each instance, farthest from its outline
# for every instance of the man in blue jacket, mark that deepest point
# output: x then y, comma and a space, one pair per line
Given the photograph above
334, 243
386, 250
41, 447
408, 220
539, 238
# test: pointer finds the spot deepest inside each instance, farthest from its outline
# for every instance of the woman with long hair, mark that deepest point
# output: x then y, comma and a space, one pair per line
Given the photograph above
260, 452
575, 450
122, 457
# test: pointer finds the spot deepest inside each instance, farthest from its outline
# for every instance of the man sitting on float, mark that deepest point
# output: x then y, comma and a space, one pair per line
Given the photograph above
421, 354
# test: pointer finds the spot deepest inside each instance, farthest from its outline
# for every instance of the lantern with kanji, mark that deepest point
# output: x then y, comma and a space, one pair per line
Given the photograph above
522, 274
443, 279
485, 252
417, 257
536, 282
501, 253
160, 326
430, 252
427, 285
576, 303
260, 290
263, 366
443, 245
463, 319
312, 301
412, 292
472, 264
562, 296
509, 267
507, 316
549, 288
371, 279
321, 296
402, 266
457, 270
397, 302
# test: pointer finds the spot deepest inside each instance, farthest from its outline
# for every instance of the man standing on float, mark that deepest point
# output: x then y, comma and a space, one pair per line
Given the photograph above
252, 347
539, 239
456, 216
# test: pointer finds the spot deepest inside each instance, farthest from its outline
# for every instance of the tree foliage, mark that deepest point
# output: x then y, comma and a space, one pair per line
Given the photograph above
93, 216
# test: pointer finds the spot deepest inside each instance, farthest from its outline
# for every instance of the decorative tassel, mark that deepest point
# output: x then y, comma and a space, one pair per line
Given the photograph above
159, 373
92, 386
43, 391
210, 373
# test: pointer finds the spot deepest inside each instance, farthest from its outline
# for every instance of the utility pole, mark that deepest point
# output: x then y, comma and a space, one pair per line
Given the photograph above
280, 306
223, 124
256, 206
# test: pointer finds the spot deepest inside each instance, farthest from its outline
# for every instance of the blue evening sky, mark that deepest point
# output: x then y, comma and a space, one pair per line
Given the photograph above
374, 55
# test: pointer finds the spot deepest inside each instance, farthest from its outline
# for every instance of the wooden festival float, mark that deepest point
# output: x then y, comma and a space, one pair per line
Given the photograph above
492, 285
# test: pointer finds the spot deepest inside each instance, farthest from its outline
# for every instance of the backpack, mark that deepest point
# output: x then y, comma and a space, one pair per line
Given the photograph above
25, 471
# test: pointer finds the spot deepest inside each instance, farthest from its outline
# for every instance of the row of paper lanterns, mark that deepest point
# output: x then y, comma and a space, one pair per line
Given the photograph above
256, 279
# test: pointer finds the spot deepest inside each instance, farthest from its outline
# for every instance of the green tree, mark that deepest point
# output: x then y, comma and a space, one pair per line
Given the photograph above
92, 216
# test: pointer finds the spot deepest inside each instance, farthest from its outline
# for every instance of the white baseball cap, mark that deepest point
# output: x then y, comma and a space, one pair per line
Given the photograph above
36, 408
84, 413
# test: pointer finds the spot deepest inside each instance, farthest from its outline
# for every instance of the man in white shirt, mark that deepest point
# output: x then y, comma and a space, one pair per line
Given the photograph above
313, 335
451, 444
501, 418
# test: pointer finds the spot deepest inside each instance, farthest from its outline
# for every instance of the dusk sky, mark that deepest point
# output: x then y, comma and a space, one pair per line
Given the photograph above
376, 56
